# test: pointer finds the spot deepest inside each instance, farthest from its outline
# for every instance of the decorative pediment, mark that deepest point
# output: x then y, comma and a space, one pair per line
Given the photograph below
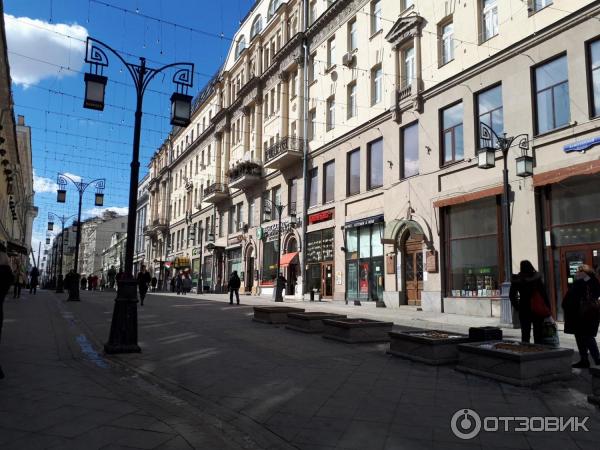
405, 29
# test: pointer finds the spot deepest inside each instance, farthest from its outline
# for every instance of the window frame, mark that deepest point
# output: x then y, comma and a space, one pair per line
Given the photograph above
331, 56
352, 35
352, 109
313, 173
370, 186
442, 133
478, 114
403, 153
482, 9
534, 94
376, 84
330, 113
348, 169
327, 165
590, 78
376, 25
443, 24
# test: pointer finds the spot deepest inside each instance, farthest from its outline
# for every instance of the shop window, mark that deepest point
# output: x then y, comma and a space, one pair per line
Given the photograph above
410, 151
364, 263
269, 266
473, 249
329, 182
452, 133
490, 112
552, 95
353, 172
594, 76
375, 164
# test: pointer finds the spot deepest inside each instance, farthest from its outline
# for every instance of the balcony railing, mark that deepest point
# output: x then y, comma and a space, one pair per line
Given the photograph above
284, 145
405, 92
215, 188
244, 168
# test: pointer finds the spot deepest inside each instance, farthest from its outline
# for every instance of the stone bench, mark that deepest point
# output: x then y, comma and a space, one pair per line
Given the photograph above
274, 314
310, 322
433, 347
515, 363
354, 331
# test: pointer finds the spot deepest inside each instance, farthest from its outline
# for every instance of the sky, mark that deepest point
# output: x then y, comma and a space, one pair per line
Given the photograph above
46, 50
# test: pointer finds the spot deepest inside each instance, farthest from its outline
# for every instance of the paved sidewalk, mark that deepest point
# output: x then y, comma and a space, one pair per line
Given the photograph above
59, 392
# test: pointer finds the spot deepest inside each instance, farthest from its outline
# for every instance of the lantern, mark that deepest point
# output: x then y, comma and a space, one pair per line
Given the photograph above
61, 195
486, 158
99, 199
524, 166
181, 109
95, 86
50, 226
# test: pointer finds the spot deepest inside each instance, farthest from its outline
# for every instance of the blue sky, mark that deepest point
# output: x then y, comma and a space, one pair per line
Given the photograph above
46, 56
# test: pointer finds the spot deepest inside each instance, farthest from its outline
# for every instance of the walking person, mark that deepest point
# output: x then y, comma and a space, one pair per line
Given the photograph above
6, 280
529, 297
83, 283
186, 283
19, 278
178, 283
173, 283
34, 275
234, 287
582, 314
112, 274
153, 283
143, 280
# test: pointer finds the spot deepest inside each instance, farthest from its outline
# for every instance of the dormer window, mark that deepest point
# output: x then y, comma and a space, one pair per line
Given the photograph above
240, 47
273, 6
256, 26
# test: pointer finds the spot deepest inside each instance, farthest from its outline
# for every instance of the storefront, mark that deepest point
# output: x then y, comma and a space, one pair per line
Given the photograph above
319, 262
269, 263
234, 262
207, 273
473, 248
364, 259
571, 231
196, 269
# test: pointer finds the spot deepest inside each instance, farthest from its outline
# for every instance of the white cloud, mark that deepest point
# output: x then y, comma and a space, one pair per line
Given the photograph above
42, 184
72, 176
32, 41
98, 211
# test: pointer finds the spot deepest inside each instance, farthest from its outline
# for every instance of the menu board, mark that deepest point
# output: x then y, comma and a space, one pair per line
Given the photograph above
327, 245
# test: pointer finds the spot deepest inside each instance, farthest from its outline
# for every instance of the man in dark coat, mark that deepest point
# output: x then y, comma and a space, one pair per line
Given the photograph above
234, 287
526, 283
582, 314
112, 275
143, 280
34, 275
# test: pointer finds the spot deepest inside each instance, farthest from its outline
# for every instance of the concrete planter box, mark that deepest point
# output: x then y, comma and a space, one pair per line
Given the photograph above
427, 346
354, 331
595, 396
535, 364
310, 322
274, 314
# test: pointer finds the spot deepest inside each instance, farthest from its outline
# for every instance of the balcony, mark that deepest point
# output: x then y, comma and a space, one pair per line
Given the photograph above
244, 174
215, 193
159, 224
284, 153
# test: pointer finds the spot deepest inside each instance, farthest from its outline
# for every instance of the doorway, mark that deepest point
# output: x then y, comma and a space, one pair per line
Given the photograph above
572, 257
327, 279
249, 269
413, 270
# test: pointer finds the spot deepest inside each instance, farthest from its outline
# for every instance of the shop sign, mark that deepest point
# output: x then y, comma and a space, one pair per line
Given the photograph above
259, 233
196, 251
271, 232
234, 240
181, 262
364, 222
320, 216
582, 146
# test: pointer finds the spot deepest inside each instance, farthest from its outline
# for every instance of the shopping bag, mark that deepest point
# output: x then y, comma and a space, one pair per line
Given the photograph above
550, 333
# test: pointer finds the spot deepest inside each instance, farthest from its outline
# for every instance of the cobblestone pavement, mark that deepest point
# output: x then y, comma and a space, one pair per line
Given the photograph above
207, 371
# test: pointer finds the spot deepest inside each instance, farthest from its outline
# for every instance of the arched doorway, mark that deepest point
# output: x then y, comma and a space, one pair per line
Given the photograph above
293, 268
249, 268
412, 267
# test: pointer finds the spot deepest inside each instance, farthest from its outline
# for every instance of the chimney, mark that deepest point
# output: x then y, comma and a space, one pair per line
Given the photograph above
21, 120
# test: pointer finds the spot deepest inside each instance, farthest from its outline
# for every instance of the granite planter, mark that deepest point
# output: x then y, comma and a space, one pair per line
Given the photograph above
514, 362
427, 346
355, 331
274, 314
310, 322
594, 398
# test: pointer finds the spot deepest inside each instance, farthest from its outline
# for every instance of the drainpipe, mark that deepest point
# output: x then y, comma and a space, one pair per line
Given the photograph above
305, 143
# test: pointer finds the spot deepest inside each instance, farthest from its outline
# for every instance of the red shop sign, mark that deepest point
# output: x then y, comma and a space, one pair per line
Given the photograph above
320, 216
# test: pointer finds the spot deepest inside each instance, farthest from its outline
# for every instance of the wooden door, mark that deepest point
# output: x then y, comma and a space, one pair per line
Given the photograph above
572, 257
413, 271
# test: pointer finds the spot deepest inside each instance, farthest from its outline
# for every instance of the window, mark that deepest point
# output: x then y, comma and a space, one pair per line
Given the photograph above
312, 128
407, 4
489, 19
594, 62
251, 210
331, 52
313, 187
410, 151
352, 35
273, 6
266, 207
408, 66
536, 5
312, 12
329, 182
353, 172
376, 24
552, 95
375, 164
330, 113
489, 108
256, 27
276, 200
472, 246
352, 100
239, 214
452, 133
311, 68
293, 196
376, 84
221, 224
293, 86
447, 42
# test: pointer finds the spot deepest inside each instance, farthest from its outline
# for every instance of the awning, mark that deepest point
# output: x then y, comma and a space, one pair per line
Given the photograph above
468, 197
288, 258
13, 247
394, 227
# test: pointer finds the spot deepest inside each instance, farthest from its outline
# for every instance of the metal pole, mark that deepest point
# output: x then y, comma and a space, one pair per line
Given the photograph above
60, 281
39, 251
74, 290
278, 296
505, 306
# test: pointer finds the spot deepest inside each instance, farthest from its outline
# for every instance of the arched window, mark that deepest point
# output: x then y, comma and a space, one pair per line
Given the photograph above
273, 6
240, 47
256, 26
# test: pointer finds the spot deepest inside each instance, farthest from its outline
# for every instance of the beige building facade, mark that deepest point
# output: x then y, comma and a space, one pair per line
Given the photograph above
364, 124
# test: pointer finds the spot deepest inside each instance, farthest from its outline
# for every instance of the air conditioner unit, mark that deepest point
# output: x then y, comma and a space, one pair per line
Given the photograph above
348, 59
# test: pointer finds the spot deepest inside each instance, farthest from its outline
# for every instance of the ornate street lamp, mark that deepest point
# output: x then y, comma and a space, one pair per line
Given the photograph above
490, 142
61, 195
63, 220
50, 226
123, 332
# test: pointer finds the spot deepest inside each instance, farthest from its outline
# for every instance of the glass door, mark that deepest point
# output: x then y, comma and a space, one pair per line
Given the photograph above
327, 277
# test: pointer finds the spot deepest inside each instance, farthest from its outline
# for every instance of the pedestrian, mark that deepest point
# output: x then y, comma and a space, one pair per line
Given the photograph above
186, 283
83, 282
234, 287
153, 283
34, 275
71, 280
529, 297
19, 278
143, 280
112, 273
90, 282
178, 283
6, 280
582, 314
173, 283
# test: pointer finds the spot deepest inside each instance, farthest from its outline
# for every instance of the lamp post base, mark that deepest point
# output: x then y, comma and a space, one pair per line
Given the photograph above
123, 329
506, 312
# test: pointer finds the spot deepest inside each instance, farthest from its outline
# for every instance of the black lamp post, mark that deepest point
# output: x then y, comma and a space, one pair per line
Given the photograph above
267, 208
61, 197
62, 219
486, 159
123, 330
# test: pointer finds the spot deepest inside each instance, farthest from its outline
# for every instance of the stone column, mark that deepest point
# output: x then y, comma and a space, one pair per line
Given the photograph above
285, 104
418, 70
246, 129
226, 151
300, 101
258, 124
218, 147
